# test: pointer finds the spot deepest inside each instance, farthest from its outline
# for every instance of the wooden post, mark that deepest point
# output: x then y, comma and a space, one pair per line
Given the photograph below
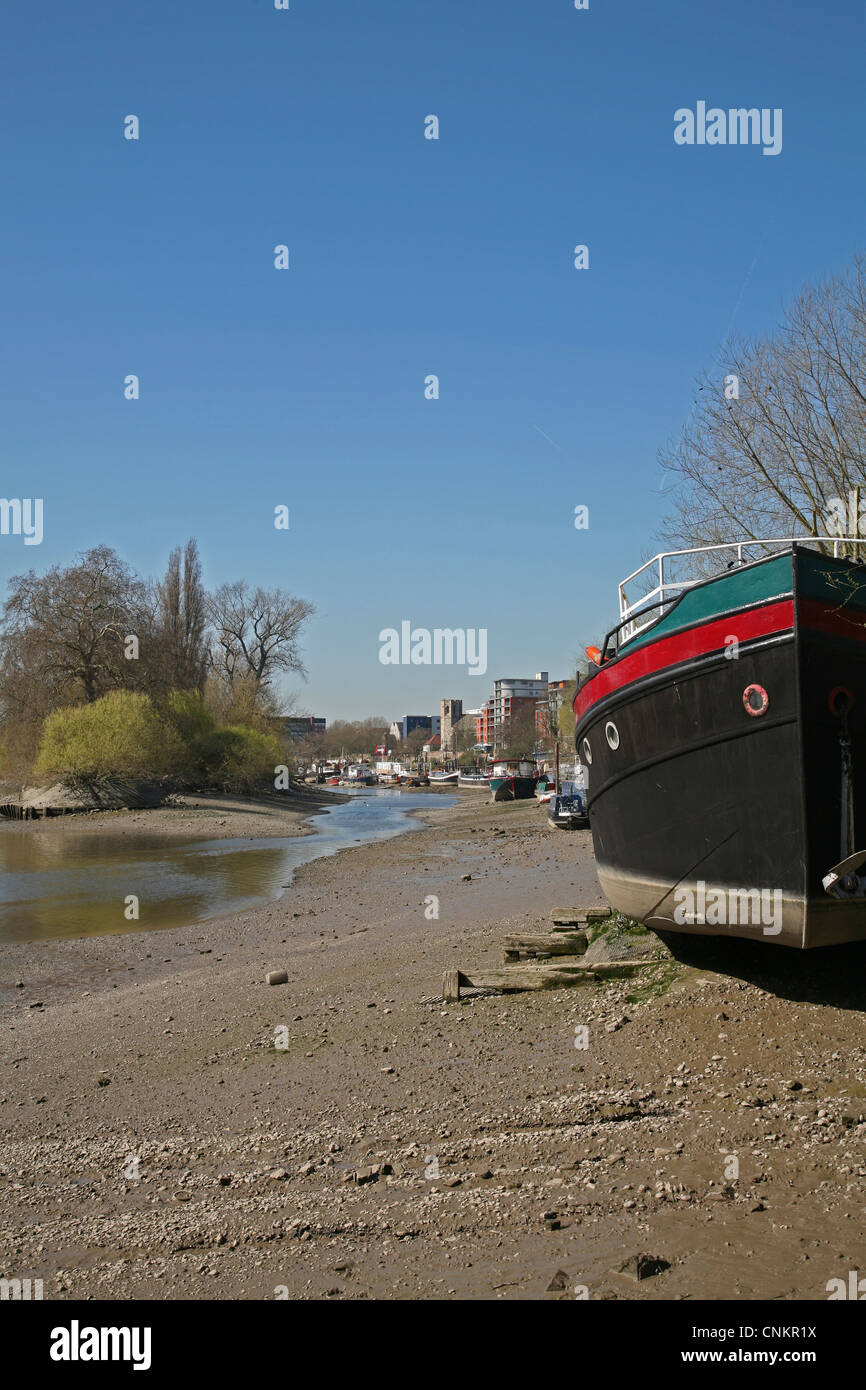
451, 986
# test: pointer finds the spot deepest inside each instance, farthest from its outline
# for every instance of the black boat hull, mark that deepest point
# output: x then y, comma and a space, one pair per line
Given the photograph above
715, 818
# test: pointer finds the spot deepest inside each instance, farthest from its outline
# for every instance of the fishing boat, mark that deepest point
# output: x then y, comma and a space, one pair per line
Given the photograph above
722, 730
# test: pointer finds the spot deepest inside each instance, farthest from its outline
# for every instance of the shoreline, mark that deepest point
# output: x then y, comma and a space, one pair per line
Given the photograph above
257, 818
194, 815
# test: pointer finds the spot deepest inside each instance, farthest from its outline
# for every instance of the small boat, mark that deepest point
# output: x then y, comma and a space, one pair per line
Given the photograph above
513, 780
722, 729
438, 779
474, 779
567, 812
512, 788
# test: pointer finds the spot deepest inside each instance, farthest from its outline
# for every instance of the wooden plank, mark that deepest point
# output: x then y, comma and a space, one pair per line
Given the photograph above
548, 943
514, 979
579, 916
557, 972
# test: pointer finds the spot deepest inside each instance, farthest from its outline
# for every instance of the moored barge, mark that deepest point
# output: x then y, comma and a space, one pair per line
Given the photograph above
722, 727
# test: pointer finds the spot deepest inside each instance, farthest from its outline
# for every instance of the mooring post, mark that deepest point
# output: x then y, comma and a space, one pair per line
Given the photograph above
451, 986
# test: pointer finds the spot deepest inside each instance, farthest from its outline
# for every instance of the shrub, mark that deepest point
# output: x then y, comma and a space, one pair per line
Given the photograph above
195, 727
119, 735
248, 759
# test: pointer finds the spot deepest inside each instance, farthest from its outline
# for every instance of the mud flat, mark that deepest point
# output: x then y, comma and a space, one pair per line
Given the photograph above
198, 815
157, 1140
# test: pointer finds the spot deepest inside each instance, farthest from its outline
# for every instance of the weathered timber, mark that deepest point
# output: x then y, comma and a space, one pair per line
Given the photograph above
556, 972
452, 982
451, 986
545, 944
514, 979
578, 916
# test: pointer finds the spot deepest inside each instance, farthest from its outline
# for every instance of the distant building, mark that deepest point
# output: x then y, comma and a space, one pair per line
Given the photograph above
452, 713
395, 730
411, 722
302, 725
512, 693
512, 697
433, 744
484, 724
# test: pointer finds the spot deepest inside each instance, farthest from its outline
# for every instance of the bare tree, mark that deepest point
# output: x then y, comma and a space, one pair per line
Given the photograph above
776, 442
360, 736
64, 632
255, 633
517, 736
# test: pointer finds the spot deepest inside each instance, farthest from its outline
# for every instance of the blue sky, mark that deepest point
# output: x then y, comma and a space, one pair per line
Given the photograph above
408, 257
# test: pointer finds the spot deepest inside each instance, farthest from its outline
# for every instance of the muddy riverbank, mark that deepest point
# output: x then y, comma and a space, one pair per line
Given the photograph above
173, 1127
197, 815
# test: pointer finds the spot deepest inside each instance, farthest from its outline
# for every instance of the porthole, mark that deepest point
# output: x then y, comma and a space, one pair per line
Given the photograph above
611, 733
756, 701
840, 700
587, 751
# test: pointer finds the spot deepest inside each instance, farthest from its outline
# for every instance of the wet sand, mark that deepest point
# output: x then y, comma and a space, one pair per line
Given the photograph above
155, 1143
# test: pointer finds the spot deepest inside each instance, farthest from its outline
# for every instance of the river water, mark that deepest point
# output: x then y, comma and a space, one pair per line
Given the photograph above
69, 882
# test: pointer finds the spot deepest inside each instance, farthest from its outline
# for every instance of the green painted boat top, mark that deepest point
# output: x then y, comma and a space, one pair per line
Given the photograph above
836, 581
831, 581
738, 588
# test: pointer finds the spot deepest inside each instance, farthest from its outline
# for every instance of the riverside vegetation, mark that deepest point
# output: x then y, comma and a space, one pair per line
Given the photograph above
104, 675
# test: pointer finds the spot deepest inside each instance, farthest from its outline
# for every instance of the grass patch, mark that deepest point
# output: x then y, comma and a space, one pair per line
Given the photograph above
616, 925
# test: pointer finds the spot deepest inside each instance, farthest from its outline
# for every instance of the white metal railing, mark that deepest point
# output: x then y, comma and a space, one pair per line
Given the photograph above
652, 604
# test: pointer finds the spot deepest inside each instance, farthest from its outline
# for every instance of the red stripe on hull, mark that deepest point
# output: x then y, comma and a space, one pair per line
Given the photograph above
833, 618
684, 646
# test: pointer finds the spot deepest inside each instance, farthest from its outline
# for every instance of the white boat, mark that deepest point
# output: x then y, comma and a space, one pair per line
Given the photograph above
479, 780
438, 778
361, 772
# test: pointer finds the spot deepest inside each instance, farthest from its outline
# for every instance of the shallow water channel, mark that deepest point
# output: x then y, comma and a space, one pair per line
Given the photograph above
67, 881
